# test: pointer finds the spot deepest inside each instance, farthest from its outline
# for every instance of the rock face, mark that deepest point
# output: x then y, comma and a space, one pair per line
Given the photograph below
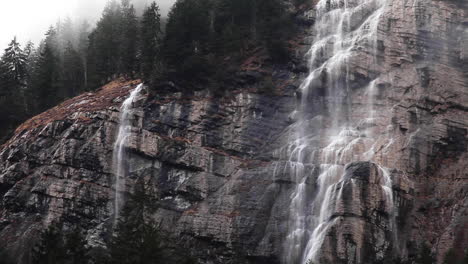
224, 171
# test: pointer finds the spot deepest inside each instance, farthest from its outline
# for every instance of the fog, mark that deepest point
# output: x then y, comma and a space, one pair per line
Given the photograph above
30, 19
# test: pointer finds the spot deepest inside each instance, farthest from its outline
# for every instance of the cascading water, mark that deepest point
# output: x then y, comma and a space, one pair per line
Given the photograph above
118, 160
343, 29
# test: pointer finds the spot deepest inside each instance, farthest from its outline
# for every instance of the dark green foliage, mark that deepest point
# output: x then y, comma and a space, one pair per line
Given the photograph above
204, 44
187, 34
194, 67
104, 45
425, 256
50, 248
451, 257
82, 46
201, 34
275, 27
55, 247
55, 71
13, 66
5, 258
72, 80
239, 23
234, 25
113, 45
45, 81
128, 42
14, 63
137, 239
267, 86
151, 36
75, 250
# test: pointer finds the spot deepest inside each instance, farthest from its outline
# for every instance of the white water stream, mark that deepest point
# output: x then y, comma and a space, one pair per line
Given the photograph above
119, 157
343, 29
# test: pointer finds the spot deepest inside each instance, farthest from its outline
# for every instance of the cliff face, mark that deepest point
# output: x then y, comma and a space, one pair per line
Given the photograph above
229, 175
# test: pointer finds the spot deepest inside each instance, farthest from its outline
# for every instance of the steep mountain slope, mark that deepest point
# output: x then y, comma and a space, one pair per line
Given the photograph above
241, 178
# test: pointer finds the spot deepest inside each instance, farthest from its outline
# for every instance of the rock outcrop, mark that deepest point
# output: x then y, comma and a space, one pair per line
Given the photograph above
216, 165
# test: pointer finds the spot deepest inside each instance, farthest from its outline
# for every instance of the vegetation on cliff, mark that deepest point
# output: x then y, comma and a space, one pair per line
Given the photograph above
204, 40
136, 240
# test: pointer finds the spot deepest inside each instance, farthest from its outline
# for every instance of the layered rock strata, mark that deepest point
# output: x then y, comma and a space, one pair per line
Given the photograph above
216, 166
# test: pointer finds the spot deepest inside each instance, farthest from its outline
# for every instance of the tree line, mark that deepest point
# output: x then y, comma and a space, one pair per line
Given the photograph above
73, 59
190, 46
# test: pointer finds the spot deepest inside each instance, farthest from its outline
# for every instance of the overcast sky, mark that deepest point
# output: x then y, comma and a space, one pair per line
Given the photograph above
30, 19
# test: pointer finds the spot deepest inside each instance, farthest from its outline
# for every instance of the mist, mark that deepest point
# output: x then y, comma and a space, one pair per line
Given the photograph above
28, 20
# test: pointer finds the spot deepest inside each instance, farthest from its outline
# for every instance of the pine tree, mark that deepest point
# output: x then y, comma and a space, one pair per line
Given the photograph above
75, 250
187, 38
12, 86
129, 40
45, 82
54, 247
425, 256
150, 40
5, 257
105, 45
83, 43
50, 249
64, 35
235, 24
31, 66
72, 72
451, 257
14, 64
465, 257
136, 240
274, 27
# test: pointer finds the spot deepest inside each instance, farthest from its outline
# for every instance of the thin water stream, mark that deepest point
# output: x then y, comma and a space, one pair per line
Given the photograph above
119, 155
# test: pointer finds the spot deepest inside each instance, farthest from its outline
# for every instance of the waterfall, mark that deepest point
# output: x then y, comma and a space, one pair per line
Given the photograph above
343, 29
118, 159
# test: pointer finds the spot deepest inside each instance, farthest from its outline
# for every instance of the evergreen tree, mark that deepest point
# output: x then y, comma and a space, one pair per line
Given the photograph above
14, 63
72, 72
150, 40
94, 64
187, 38
53, 247
425, 256
129, 39
64, 36
451, 257
234, 24
75, 250
31, 95
274, 27
83, 43
465, 257
5, 258
12, 83
104, 45
136, 240
50, 249
45, 82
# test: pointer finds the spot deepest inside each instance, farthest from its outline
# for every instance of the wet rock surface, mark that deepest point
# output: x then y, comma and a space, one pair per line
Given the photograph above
213, 167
